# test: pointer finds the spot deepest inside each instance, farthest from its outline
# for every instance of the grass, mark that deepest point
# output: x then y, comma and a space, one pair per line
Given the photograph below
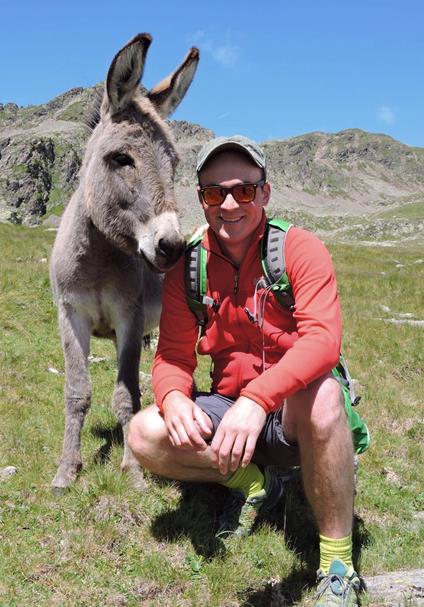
413, 210
103, 544
73, 112
18, 170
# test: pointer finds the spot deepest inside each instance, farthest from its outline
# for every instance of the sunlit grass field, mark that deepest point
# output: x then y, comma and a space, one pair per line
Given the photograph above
103, 544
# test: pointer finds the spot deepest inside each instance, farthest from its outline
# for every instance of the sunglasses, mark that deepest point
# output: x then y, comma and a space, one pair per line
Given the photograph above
242, 193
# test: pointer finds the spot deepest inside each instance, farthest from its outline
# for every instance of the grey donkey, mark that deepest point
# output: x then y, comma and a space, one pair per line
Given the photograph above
117, 235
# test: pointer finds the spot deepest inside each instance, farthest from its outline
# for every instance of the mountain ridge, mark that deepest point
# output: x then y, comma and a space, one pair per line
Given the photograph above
348, 173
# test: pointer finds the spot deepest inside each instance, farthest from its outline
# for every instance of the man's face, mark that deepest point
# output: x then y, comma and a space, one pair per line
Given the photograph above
231, 221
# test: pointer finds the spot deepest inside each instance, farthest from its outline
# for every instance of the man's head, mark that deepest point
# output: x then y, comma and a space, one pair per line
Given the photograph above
237, 143
233, 190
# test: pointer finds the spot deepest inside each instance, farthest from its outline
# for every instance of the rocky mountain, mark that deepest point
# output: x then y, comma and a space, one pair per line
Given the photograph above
344, 175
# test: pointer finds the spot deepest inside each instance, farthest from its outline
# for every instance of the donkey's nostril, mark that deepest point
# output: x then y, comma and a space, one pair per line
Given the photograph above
166, 247
171, 249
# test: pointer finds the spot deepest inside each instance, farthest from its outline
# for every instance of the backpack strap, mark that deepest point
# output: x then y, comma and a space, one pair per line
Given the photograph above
195, 278
274, 262
342, 374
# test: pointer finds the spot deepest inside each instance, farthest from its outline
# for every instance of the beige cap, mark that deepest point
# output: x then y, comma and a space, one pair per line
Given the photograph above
240, 142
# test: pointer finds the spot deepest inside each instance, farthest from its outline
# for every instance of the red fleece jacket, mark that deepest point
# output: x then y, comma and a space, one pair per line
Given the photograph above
266, 363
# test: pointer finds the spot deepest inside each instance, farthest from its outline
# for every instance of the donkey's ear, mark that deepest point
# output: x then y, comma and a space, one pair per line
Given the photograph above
167, 95
125, 72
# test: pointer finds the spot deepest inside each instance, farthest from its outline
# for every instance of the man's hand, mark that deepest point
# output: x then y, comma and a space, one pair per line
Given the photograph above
185, 421
236, 436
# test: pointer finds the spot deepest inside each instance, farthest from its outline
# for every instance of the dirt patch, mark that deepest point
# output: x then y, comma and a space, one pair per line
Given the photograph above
146, 592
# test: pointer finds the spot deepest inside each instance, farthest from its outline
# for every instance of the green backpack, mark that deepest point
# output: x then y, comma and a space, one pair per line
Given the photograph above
276, 279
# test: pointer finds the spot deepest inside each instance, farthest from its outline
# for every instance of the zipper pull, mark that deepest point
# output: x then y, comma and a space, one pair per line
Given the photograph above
236, 280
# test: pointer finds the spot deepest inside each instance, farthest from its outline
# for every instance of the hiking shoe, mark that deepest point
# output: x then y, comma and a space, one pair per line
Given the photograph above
337, 589
239, 514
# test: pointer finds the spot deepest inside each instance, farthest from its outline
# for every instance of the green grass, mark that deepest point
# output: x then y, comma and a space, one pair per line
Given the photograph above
413, 210
73, 112
57, 209
58, 196
18, 170
103, 544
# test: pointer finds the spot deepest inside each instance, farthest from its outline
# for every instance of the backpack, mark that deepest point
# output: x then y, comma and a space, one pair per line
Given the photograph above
277, 281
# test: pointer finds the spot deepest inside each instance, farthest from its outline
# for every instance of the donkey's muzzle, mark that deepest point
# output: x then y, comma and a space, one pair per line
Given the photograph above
170, 250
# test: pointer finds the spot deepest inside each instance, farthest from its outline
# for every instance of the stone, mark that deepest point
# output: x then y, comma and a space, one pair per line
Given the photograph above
397, 588
52, 221
7, 472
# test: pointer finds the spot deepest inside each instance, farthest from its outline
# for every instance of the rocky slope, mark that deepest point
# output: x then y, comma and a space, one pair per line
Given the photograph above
346, 174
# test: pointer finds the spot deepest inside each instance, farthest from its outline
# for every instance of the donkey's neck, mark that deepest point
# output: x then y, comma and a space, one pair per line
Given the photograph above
82, 243
99, 246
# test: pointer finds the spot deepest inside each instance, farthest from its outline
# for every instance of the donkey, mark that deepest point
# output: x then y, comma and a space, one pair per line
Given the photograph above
117, 235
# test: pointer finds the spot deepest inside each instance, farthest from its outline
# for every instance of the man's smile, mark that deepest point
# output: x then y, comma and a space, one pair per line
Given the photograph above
233, 220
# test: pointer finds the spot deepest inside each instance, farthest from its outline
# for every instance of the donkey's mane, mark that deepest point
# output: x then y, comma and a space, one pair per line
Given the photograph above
91, 117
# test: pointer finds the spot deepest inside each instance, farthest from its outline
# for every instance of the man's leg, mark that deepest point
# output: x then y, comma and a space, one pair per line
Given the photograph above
149, 441
315, 418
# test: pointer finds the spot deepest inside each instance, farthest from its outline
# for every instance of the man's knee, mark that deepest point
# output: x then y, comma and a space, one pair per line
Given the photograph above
146, 434
318, 409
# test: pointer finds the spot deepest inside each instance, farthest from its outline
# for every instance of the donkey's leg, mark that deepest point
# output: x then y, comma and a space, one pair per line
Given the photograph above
126, 396
75, 331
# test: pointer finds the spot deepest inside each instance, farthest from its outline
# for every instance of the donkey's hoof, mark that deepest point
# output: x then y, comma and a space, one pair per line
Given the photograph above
58, 491
64, 479
136, 476
137, 480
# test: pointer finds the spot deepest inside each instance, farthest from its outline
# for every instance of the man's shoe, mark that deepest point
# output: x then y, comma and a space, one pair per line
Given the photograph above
337, 589
239, 514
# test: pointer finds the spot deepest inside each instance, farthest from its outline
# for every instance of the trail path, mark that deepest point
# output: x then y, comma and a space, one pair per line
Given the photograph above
46, 127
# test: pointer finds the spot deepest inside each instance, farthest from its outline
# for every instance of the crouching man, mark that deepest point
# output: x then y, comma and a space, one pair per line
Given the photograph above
277, 398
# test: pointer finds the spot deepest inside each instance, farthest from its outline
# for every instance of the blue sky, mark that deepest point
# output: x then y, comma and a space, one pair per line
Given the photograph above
268, 69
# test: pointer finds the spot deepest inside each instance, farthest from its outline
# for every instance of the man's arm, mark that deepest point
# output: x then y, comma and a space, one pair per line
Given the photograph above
175, 359
318, 321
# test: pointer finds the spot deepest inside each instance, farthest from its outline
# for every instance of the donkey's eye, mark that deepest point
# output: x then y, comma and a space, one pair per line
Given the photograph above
118, 159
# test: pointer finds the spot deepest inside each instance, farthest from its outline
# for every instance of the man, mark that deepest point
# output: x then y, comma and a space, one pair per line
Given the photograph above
274, 400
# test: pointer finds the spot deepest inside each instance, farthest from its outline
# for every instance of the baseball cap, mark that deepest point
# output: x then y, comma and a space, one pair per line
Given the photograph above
235, 142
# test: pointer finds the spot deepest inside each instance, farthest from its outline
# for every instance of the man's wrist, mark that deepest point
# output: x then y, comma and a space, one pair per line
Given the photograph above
247, 400
172, 397
264, 404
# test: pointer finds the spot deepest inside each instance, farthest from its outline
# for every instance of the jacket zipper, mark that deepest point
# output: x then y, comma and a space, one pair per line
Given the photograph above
236, 282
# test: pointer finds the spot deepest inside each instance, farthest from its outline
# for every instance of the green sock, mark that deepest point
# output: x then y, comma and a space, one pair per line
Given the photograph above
249, 480
331, 549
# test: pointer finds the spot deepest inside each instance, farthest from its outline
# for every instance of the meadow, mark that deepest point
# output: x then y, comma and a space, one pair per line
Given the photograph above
104, 544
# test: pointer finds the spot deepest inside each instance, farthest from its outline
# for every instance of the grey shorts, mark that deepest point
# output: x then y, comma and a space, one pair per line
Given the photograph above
271, 448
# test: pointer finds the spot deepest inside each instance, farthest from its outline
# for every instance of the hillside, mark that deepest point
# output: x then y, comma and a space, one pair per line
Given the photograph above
344, 175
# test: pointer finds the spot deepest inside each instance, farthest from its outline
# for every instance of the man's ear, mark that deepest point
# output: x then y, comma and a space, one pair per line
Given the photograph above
266, 193
199, 195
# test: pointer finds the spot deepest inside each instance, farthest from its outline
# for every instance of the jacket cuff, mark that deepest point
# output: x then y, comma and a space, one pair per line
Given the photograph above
267, 404
160, 393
